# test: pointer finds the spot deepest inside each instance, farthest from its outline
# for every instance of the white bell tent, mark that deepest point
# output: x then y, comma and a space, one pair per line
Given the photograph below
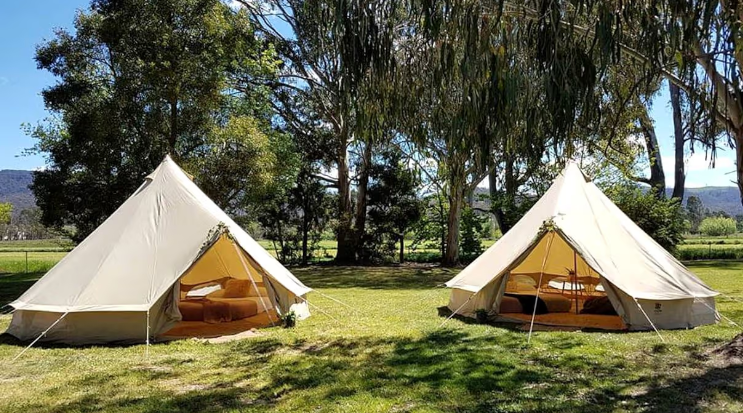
125, 281
575, 247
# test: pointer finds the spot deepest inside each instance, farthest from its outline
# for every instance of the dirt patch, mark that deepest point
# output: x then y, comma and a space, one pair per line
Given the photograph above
234, 337
729, 353
153, 368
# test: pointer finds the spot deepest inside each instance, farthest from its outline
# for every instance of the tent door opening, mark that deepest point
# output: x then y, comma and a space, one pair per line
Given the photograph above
570, 292
225, 292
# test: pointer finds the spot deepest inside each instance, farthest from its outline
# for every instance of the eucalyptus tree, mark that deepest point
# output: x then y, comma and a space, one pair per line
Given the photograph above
479, 88
334, 55
695, 45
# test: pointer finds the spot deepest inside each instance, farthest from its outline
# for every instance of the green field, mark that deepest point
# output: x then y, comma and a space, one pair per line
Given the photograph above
36, 245
389, 354
42, 254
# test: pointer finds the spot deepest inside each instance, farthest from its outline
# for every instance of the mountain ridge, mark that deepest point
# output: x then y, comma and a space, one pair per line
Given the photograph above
14, 189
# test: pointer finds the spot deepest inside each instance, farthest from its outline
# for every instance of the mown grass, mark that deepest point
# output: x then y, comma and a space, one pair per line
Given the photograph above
31, 262
386, 354
41, 245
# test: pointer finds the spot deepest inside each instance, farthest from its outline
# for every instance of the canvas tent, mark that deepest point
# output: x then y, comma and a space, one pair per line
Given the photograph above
124, 282
575, 246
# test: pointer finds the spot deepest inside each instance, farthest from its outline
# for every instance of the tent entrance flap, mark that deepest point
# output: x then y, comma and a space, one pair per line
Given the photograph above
555, 286
220, 261
224, 292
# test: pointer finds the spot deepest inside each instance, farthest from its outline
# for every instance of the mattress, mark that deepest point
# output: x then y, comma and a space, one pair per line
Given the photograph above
546, 303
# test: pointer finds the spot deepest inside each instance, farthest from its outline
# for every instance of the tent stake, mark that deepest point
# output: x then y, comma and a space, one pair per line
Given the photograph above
719, 314
43, 333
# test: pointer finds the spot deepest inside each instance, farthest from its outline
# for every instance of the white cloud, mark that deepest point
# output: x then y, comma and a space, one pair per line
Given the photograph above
699, 170
699, 161
688, 184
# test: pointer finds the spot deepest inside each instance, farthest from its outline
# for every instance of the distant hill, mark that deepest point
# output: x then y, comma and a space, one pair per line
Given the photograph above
716, 198
14, 189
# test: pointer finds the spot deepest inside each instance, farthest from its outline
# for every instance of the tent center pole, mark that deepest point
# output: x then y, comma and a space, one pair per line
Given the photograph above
575, 277
147, 340
539, 285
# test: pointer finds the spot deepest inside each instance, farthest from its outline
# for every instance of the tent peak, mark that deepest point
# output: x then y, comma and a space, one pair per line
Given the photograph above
573, 169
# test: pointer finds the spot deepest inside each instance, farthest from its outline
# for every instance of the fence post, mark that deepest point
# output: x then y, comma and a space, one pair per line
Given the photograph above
709, 253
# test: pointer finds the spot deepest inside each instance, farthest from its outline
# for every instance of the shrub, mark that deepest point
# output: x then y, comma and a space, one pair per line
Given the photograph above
660, 218
707, 253
717, 226
470, 242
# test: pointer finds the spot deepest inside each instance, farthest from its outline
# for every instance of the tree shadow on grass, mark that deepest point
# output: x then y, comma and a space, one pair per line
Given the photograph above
712, 389
446, 370
13, 286
375, 278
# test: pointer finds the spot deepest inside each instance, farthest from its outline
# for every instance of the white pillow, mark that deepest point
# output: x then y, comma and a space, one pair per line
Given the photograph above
204, 291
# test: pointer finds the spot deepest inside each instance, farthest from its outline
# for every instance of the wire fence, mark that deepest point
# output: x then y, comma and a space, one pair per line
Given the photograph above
29, 260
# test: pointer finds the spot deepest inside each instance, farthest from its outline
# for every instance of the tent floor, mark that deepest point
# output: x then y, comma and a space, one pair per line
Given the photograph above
604, 322
200, 329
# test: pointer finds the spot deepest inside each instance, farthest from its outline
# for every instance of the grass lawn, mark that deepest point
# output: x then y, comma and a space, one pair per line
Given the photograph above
387, 355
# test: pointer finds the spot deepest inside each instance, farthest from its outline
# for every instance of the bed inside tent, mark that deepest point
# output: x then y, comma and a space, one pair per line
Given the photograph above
554, 285
224, 292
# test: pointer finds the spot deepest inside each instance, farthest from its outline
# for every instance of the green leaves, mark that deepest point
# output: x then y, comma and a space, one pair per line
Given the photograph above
6, 208
717, 226
140, 79
662, 219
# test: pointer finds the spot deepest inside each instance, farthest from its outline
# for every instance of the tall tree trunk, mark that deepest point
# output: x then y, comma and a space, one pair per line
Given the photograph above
497, 210
657, 180
305, 236
510, 188
457, 181
442, 243
360, 216
346, 252
402, 248
173, 135
739, 159
679, 174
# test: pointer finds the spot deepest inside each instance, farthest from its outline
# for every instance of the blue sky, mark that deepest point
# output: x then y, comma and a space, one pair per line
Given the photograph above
23, 25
